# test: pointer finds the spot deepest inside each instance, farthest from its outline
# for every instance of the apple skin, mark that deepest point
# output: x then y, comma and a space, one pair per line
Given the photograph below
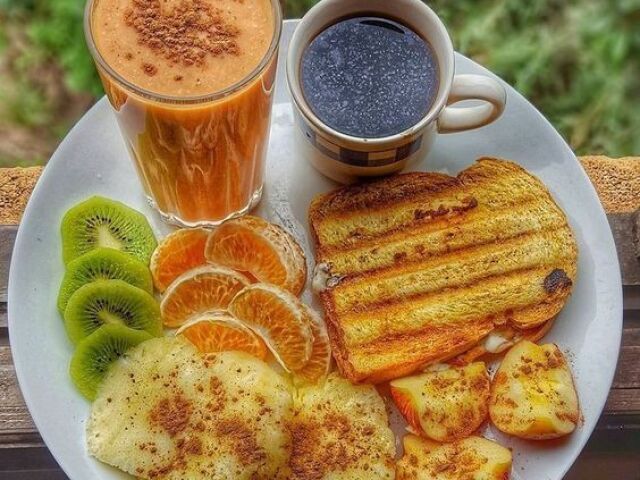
405, 405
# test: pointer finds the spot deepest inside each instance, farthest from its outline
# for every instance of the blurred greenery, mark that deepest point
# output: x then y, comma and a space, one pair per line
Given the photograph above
577, 61
57, 29
54, 29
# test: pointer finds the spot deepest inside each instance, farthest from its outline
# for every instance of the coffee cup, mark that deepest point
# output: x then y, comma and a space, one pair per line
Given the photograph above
346, 157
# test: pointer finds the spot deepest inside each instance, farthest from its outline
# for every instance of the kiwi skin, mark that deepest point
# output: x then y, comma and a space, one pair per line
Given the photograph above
103, 264
101, 222
111, 302
97, 352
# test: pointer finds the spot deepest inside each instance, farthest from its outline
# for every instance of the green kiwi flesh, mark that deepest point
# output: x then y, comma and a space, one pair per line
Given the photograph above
105, 302
103, 264
101, 222
97, 352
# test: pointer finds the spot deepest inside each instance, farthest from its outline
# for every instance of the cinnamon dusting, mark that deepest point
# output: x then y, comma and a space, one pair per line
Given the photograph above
172, 414
185, 35
244, 441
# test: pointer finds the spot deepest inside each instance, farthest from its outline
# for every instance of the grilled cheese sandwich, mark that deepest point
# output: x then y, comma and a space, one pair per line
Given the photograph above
420, 267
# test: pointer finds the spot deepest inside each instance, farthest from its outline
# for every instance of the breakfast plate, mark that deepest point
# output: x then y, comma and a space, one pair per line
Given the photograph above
93, 160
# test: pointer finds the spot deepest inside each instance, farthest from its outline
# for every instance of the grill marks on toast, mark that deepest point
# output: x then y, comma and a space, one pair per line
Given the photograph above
349, 225
430, 264
347, 229
441, 237
453, 270
393, 357
503, 297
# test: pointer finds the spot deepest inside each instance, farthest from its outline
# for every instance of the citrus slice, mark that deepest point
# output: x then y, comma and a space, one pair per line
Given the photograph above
178, 252
199, 290
317, 367
266, 251
220, 332
280, 319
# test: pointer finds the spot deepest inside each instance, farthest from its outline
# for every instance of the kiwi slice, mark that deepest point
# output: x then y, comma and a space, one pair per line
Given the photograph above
97, 352
100, 222
105, 302
103, 264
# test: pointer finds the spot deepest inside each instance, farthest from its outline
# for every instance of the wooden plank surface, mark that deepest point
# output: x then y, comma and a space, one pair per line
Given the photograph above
7, 238
624, 227
17, 428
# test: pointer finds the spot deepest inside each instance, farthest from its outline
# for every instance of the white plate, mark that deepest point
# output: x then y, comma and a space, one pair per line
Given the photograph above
93, 160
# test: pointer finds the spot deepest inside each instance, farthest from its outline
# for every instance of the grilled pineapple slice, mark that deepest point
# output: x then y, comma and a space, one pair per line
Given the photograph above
473, 458
165, 411
532, 393
444, 405
341, 432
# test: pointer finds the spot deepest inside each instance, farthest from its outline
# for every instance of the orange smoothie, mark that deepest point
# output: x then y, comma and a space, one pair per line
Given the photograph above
191, 82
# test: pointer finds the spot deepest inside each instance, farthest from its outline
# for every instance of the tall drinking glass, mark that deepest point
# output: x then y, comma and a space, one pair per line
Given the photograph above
191, 84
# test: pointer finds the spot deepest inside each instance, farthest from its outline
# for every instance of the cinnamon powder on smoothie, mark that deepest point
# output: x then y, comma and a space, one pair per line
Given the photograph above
186, 34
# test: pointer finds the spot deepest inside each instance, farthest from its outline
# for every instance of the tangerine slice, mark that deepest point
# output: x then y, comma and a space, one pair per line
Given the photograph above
319, 362
178, 252
220, 332
266, 251
199, 290
280, 319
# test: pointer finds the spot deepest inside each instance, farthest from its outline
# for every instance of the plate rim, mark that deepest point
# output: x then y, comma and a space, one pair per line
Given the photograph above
22, 371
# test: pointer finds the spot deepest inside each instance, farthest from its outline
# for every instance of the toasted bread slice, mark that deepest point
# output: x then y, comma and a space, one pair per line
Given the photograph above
420, 267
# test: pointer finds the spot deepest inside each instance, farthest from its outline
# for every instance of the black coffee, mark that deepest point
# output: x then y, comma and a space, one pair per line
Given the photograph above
369, 77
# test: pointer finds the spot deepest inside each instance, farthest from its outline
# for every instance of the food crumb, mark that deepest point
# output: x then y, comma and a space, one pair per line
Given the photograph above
149, 69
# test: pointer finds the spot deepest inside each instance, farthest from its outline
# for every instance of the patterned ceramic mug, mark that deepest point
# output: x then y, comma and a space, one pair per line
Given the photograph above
345, 157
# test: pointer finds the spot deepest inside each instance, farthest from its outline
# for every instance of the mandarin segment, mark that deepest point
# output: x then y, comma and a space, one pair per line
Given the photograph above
280, 319
202, 289
317, 368
212, 333
266, 251
178, 252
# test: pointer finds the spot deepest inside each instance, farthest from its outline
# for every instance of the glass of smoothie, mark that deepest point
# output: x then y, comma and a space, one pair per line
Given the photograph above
191, 84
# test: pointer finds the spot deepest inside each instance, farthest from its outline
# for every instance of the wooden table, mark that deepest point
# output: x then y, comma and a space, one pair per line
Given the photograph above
613, 451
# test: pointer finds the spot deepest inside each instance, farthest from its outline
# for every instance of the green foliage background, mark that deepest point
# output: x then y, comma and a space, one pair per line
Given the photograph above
578, 61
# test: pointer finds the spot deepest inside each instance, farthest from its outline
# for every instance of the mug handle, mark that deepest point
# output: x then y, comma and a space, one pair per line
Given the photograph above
472, 87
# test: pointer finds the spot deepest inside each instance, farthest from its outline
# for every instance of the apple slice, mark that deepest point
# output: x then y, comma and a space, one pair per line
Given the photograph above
415, 445
444, 405
471, 458
532, 393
